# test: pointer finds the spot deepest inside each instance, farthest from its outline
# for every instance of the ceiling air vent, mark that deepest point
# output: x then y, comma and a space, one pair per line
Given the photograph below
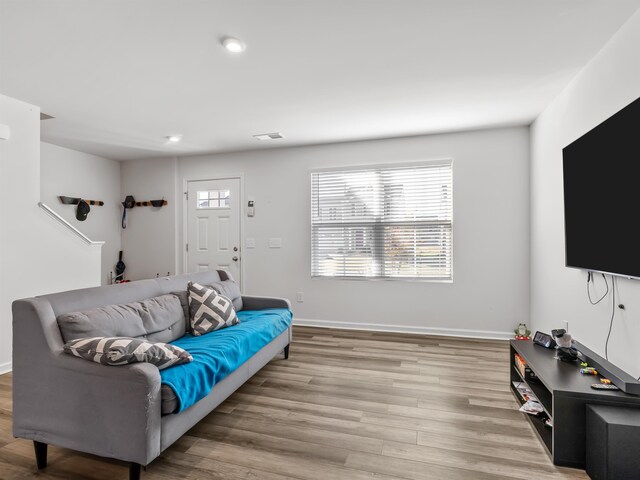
268, 136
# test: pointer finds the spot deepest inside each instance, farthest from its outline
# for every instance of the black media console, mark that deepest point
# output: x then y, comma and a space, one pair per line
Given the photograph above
565, 393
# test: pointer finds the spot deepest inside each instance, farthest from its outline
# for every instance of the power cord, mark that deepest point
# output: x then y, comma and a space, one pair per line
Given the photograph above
590, 280
613, 314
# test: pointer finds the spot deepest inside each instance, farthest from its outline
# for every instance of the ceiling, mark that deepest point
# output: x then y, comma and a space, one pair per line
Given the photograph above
120, 75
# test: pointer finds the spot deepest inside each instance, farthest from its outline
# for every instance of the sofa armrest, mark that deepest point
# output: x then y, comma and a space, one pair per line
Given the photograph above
252, 302
66, 401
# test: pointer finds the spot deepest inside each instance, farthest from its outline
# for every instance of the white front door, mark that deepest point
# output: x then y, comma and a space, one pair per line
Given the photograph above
213, 226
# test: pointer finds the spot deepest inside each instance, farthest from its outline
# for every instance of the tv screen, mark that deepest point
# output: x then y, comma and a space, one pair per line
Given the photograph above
602, 196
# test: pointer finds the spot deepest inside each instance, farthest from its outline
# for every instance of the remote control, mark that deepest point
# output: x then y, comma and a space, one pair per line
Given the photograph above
604, 386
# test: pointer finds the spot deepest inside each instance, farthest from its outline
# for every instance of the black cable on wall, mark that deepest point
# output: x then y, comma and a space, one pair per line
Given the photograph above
613, 315
590, 280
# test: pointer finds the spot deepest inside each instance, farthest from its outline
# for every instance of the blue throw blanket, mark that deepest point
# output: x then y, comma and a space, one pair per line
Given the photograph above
217, 354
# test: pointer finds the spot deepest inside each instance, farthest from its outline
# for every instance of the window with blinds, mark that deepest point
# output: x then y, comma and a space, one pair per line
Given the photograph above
383, 222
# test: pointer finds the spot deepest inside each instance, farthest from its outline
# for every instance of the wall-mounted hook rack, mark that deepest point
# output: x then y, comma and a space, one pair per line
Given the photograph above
75, 200
152, 203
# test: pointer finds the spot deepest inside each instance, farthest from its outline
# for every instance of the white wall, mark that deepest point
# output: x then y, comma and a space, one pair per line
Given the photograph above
37, 255
607, 84
148, 241
77, 174
490, 292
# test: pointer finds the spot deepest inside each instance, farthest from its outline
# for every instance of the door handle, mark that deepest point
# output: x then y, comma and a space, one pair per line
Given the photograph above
235, 259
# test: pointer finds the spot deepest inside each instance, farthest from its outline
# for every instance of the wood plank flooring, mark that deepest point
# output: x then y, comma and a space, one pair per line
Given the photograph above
346, 405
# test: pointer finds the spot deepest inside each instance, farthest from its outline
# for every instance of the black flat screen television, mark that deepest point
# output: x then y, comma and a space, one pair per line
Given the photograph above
602, 196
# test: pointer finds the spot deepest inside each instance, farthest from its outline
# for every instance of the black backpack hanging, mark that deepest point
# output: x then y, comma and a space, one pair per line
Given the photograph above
129, 202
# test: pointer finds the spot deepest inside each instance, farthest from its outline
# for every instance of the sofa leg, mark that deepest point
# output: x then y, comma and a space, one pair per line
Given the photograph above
286, 352
41, 454
134, 471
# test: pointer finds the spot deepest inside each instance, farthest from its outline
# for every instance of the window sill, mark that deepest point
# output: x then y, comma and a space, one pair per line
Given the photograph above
386, 279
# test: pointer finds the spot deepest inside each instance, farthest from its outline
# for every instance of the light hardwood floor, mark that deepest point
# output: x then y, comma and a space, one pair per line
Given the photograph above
346, 405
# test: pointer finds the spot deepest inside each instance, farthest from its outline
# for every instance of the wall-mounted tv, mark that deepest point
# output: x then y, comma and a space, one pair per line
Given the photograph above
602, 196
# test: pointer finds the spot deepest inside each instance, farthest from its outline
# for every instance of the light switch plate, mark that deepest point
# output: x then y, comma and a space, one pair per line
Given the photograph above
251, 243
4, 132
275, 242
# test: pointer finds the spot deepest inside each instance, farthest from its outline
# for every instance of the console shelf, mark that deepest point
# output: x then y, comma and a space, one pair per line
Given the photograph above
564, 394
537, 421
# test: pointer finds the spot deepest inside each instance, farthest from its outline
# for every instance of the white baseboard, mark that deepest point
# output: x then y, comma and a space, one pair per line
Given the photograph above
377, 327
5, 368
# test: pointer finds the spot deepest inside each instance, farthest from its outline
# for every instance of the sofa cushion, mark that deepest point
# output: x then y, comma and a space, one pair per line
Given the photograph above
220, 353
123, 350
229, 289
159, 319
169, 402
183, 296
163, 318
209, 310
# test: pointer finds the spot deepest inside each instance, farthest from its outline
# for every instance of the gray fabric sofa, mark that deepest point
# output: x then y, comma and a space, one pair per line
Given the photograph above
113, 412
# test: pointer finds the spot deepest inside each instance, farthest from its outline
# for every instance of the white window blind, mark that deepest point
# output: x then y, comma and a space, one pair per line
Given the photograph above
383, 222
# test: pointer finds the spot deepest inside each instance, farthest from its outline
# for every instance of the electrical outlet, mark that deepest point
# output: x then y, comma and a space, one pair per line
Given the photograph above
300, 297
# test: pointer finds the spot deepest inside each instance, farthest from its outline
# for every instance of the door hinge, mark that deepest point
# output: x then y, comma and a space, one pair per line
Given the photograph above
186, 195
187, 247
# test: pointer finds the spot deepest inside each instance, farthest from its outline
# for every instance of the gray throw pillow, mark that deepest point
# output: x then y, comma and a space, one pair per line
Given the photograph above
208, 310
124, 350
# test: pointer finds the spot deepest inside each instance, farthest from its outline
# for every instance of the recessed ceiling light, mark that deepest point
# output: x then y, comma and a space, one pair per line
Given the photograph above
233, 45
173, 138
268, 136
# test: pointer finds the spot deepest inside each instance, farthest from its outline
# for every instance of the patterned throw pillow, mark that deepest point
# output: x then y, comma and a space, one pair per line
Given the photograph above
208, 310
123, 350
